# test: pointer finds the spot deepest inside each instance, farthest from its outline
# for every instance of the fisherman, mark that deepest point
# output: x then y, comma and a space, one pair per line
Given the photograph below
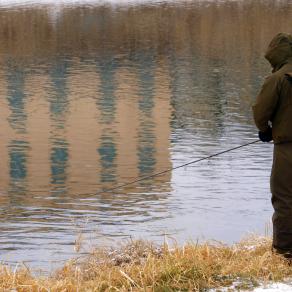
273, 117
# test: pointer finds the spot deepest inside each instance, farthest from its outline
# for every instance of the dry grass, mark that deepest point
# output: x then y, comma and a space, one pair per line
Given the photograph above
142, 266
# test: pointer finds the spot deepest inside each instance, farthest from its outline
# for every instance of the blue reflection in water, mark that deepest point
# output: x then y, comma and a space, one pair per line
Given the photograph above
59, 162
107, 89
16, 96
145, 61
18, 169
107, 105
146, 148
108, 153
58, 100
58, 107
17, 153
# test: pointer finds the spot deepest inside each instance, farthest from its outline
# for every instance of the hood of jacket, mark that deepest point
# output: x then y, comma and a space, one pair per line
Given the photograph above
279, 50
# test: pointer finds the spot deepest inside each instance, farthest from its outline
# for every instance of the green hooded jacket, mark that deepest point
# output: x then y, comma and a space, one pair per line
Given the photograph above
274, 102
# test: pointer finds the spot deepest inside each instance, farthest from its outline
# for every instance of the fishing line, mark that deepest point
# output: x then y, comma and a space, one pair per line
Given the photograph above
110, 190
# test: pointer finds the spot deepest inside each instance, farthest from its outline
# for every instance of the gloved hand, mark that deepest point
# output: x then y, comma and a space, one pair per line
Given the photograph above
266, 136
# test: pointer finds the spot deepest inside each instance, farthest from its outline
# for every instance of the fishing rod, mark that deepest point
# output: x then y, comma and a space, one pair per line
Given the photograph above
110, 190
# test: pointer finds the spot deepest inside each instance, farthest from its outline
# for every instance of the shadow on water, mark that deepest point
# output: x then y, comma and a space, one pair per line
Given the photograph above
93, 96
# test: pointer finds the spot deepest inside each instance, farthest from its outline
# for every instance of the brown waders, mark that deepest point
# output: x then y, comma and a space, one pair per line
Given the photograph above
281, 188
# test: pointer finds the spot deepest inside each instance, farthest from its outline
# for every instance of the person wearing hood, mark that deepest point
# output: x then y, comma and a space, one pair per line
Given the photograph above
273, 117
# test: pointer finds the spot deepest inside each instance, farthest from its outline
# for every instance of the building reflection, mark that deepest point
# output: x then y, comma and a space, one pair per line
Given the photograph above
16, 96
107, 148
88, 126
146, 147
18, 169
59, 103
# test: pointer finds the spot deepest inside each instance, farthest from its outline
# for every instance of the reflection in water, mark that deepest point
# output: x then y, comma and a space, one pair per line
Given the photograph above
146, 147
58, 109
107, 89
16, 97
107, 108
108, 153
99, 95
59, 161
58, 101
17, 160
18, 170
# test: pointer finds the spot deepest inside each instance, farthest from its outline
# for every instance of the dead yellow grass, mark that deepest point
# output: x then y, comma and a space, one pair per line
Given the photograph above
141, 266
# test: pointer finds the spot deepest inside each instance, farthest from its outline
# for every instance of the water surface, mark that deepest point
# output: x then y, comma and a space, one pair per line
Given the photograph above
92, 96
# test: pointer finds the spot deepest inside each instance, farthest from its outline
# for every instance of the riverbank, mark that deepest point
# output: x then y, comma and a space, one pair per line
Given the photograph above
142, 266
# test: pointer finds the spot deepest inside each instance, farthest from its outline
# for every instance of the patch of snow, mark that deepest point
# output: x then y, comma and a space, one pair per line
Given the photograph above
274, 287
270, 287
250, 247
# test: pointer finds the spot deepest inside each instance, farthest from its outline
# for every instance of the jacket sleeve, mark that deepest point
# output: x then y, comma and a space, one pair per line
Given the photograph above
266, 103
